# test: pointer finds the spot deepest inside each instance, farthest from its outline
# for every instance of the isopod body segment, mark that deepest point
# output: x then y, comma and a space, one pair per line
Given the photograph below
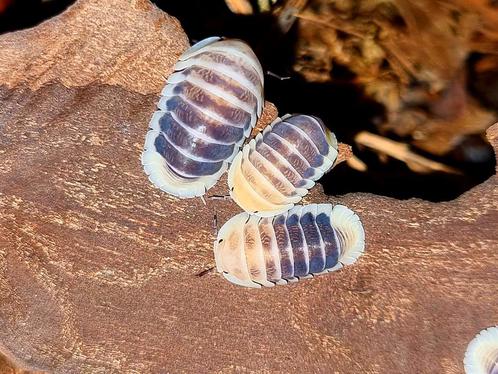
481, 356
277, 168
255, 251
207, 109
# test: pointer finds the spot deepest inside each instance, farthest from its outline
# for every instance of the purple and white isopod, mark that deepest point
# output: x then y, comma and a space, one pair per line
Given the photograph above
307, 240
277, 168
481, 356
207, 109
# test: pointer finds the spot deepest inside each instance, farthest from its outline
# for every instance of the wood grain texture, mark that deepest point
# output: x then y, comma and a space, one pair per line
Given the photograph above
98, 268
125, 43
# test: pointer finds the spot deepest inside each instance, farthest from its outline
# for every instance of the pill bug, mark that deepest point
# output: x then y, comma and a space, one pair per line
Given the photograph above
277, 168
207, 109
255, 251
481, 356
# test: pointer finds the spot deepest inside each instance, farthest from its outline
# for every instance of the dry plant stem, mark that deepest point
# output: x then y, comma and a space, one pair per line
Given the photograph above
240, 6
357, 164
264, 5
402, 152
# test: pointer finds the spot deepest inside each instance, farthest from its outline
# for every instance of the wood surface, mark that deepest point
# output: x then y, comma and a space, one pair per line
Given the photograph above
98, 270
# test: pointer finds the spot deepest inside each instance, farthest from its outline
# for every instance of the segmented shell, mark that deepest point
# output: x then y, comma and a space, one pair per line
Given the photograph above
482, 353
277, 168
207, 109
307, 240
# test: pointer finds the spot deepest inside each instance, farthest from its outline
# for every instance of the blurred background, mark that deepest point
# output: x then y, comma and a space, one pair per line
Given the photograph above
411, 85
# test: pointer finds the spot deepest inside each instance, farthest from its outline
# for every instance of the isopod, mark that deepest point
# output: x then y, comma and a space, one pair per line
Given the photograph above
481, 356
255, 251
207, 109
277, 168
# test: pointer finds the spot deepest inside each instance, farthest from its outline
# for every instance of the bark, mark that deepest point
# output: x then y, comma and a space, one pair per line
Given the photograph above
98, 270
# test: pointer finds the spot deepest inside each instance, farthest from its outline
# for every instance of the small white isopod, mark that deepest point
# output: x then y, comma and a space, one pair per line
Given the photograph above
481, 356
277, 168
307, 240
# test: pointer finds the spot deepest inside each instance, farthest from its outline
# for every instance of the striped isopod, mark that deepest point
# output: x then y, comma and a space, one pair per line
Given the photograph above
481, 356
277, 168
307, 240
207, 109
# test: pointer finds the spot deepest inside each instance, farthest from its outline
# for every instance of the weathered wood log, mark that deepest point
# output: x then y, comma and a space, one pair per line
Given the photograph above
98, 270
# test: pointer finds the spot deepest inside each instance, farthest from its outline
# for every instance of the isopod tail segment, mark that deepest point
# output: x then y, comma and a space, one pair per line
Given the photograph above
481, 356
209, 106
276, 169
253, 251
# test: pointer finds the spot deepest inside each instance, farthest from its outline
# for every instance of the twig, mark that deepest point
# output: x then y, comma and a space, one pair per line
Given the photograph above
274, 75
219, 197
402, 152
356, 164
204, 272
239, 6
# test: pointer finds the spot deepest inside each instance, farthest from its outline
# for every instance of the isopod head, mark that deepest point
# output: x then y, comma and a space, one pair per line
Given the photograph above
255, 251
481, 356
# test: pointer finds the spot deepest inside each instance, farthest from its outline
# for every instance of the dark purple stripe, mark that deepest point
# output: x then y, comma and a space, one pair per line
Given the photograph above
233, 64
182, 164
314, 130
203, 124
268, 153
294, 159
315, 251
297, 242
298, 140
191, 144
227, 84
203, 99
328, 237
